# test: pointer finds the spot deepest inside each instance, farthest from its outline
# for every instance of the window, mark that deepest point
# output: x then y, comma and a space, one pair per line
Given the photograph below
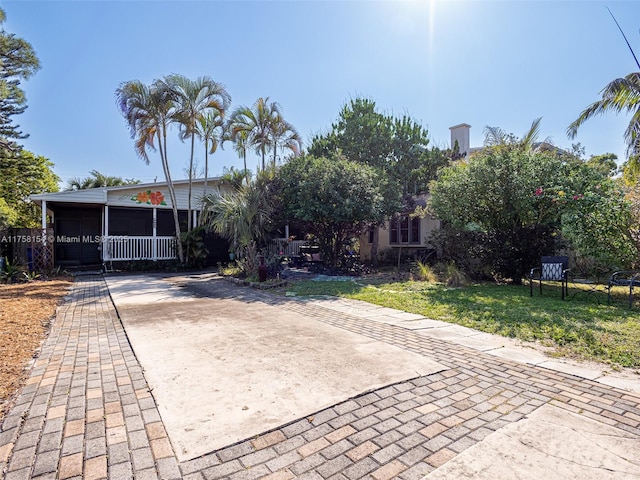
166, 226
405, 230
370, 233
131, 221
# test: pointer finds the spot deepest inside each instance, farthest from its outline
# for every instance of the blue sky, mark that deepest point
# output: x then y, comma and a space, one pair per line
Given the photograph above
496, 63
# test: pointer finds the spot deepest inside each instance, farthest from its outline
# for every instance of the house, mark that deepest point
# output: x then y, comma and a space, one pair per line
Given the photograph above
406, 231
403, 231
91, 227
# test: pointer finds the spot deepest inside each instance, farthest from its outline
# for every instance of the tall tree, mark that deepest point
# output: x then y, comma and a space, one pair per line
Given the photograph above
621, 95
148, 111
240, 145
607, 163
18, 62
361, 133
412, 163
257, 123
284, 136
97, 180
333, 198
397, 148
210, 129
23, 173
192, 100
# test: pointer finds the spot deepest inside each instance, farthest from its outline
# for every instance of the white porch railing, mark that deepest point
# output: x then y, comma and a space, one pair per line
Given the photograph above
285, 247
119, 248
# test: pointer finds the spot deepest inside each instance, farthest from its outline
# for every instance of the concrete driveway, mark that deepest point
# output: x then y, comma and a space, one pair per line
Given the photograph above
224, 368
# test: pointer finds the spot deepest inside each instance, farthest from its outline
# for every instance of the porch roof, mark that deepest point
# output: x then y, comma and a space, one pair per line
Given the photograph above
100, 196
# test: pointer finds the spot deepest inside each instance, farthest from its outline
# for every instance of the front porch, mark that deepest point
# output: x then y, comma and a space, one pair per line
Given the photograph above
121, 248
87, 228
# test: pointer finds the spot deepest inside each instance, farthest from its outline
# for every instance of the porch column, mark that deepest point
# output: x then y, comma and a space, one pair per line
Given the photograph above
154, 242
195, 218
106, 220
106, 255
44, 222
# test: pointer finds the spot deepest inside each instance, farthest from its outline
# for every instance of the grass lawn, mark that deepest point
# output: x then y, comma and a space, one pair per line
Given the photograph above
578, 328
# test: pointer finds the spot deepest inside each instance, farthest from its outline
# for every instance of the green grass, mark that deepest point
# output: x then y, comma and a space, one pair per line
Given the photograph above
578, 328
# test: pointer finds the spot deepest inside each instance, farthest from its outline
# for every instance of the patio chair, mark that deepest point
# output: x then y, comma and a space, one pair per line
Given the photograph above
551, 269
623, 278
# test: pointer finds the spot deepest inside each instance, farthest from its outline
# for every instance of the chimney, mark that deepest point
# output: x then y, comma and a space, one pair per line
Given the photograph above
460, 134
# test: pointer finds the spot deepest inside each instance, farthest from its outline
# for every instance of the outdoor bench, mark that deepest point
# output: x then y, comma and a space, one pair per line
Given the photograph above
623, 278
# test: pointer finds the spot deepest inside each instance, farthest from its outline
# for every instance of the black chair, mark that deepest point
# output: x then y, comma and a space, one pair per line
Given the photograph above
551, 269
623, 278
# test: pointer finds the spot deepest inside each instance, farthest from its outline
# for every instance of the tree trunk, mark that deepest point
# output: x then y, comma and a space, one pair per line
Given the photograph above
374, 245
172, 193
189, 220
246, 172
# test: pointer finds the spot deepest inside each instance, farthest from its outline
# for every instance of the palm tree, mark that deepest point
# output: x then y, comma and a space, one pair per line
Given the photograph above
97, 180
242, 217
621, 95
257, 123
285, 136
240, 143
210, 130
193, 98
148, 111
496, 137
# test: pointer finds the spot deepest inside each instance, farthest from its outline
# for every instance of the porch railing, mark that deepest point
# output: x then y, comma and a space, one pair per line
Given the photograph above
121, 248
285, 247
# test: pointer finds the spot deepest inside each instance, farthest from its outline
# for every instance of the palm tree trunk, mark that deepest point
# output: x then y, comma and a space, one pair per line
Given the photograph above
162, 145
246, 172
189, 221
206, 164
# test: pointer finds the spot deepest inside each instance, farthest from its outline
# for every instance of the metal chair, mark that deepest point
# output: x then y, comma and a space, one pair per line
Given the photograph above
552, 269
623, 278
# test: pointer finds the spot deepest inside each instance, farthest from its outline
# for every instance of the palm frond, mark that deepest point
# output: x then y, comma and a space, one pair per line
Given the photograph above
621, 95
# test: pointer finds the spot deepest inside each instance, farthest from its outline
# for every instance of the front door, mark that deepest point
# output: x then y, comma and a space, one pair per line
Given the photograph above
77, 236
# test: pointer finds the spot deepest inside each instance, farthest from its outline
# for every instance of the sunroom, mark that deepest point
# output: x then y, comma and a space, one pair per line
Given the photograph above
84, 228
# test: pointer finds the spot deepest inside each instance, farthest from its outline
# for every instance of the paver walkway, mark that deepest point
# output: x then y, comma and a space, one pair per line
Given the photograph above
86, 411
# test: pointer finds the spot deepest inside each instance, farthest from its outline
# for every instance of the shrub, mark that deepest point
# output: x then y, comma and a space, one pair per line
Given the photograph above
454, 277
424, 272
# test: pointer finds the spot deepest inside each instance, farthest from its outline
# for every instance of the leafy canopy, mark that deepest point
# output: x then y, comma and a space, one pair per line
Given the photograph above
19, 62
333, 197
514, 197
23, 174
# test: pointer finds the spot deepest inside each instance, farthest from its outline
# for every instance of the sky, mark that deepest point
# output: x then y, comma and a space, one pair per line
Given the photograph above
485, 63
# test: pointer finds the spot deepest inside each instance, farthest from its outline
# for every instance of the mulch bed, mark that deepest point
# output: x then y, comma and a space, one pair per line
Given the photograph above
26, 310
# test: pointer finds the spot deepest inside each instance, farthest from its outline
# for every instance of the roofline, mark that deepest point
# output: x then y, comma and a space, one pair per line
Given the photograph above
175, 182
56, 196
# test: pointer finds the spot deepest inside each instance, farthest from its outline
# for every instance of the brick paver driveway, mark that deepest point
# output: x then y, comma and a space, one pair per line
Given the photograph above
87, 412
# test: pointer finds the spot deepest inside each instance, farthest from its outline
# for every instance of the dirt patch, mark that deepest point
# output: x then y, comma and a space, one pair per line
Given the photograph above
26, 310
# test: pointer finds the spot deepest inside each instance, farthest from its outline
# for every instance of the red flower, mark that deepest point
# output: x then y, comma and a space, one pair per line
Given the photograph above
538, 191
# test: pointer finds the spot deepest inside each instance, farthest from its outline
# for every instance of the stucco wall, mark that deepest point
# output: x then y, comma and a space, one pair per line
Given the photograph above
427, 225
